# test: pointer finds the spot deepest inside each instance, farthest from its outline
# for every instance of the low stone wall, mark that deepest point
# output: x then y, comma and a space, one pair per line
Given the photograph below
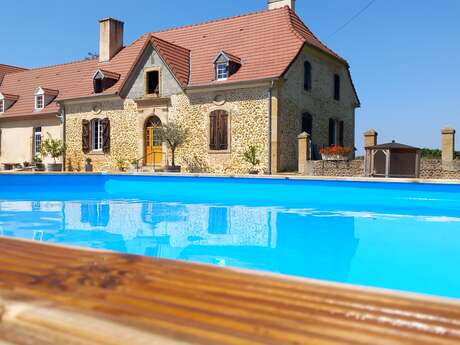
436, 169
429, 169
338, 168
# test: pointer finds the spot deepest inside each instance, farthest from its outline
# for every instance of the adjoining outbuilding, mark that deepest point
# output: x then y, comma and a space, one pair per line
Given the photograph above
392, 160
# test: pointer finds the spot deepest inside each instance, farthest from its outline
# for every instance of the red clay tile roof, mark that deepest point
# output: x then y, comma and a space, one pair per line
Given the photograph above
72, 80
176, 57
8, 69
264, 43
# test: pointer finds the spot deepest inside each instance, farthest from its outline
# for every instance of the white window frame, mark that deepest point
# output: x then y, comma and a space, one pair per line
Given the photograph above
37, 141
222, 70
2, 106
96, 135
42, 102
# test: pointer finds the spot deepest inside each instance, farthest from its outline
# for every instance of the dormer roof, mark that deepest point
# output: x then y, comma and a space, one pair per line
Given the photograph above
106, 74
8, 97
229, 57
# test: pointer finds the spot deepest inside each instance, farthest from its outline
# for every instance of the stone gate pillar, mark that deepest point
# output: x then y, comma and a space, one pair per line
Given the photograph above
448, 144
304, 152
370, 138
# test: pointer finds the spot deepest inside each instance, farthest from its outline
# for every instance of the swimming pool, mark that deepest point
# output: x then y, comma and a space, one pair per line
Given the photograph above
400, 236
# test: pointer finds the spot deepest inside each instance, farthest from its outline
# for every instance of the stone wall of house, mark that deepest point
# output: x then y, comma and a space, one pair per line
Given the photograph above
338, 168
248, 125
294, 100
124, 133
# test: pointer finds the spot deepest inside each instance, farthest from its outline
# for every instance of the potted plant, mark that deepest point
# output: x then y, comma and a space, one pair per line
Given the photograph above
54, 148
121, 164
37, 161
250, 156
174, 136
336, 153
88, 165
135, 165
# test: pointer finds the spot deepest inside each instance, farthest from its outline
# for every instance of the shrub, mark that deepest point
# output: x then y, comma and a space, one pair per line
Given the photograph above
336, 150
250, 156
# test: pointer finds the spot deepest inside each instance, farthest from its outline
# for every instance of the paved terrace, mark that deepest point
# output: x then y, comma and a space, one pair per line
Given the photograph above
56, 295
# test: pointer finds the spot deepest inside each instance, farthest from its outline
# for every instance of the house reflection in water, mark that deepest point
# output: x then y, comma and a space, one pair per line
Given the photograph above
289, 241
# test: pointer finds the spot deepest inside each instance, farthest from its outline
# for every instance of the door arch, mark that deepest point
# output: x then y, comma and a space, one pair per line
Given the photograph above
153, 145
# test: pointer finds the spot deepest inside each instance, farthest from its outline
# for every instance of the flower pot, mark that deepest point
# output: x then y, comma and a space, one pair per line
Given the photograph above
171, 168
334, 157
54, 167
39, 167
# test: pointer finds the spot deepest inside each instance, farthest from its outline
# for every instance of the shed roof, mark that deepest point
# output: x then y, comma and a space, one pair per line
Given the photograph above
392, 146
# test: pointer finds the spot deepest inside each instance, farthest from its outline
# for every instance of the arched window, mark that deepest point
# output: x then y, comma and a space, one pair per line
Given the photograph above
336, 87
307, 76
307, 123
218, 130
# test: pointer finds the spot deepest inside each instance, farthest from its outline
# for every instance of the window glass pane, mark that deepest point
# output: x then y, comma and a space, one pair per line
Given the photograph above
222, 71
97, 135
37, 140
39, 101
2, 106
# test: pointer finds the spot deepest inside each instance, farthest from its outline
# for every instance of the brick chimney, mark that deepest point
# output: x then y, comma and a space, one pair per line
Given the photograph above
272, 4
110, 38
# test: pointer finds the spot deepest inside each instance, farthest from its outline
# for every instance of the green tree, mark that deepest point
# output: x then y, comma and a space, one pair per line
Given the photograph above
54, 148
174, 135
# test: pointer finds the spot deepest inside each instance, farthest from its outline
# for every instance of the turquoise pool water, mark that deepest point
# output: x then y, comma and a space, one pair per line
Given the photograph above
397, 236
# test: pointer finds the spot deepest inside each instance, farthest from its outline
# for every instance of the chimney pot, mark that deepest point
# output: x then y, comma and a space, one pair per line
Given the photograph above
110, 38
272, 4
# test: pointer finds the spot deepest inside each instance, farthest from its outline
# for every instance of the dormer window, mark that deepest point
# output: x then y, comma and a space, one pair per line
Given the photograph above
43, 97
7, 101
226, 65
103, 80
39, 102
222, 71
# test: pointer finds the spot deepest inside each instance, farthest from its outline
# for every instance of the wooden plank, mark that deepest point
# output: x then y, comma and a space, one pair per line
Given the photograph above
44, 288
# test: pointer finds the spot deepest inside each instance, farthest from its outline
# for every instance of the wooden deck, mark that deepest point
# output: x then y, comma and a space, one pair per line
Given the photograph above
55, 295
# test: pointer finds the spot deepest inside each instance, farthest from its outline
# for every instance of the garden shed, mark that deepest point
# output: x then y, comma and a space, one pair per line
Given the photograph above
392, 160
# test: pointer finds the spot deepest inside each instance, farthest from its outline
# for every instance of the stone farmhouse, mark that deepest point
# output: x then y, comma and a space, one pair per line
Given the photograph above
256, 79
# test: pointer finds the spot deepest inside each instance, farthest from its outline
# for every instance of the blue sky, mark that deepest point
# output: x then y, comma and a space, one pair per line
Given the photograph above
404, 55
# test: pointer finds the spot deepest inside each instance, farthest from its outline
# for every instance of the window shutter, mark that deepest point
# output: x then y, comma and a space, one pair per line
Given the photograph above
341, 133
213, 131
105, 135
85, 136
331, 131
223, 128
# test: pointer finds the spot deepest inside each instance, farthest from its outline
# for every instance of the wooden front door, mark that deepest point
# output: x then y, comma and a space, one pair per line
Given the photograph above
153, 146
